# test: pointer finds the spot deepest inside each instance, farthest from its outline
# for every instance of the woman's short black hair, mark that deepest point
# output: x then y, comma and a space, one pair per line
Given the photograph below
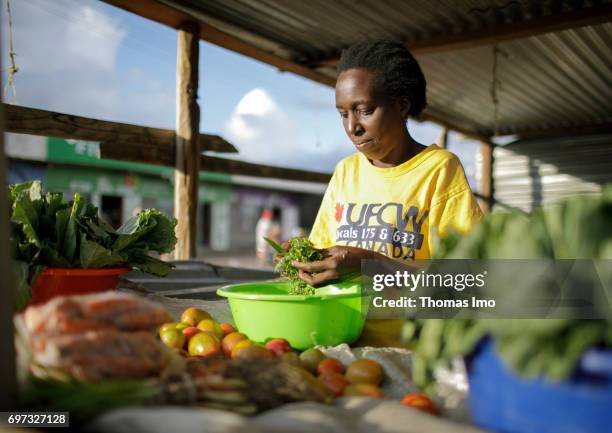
397, 71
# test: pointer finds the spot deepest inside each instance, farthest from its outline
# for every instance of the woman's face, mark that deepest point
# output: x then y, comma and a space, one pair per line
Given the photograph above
376, 124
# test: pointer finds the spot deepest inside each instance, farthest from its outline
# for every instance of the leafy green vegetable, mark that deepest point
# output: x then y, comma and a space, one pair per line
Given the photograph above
86, 400
580, 227
276, 247
48, 231
20, 275
301, 250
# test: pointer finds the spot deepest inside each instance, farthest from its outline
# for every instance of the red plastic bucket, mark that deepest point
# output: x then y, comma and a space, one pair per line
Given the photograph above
74, 281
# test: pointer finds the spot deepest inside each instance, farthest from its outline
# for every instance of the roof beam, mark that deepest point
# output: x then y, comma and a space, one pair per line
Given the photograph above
118, 151
170, 16
470, 132
232, 166
503, 33
158, 143
568, 131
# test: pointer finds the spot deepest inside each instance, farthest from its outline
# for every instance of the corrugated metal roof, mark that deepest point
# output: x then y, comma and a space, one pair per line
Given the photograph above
531, 173
546, 81
555, 80
316, 29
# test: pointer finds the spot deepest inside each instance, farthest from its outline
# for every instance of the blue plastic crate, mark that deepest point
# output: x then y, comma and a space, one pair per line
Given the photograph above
502, 401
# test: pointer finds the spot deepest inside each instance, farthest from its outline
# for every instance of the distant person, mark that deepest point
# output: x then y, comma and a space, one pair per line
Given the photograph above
268, 226
276, 229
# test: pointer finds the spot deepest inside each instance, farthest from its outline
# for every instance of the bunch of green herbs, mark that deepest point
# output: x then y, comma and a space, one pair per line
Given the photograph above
48, 231
580, 227
301, 250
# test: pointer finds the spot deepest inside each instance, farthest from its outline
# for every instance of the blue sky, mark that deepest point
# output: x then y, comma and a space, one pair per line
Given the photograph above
89, 58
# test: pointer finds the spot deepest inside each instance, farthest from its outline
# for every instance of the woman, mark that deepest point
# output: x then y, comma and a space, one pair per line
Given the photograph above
390, 198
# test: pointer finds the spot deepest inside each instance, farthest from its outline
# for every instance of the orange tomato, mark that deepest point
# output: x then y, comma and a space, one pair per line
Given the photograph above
363, 389
227, 328
193, 315
420, 401
230, 340
241, 345
365, 371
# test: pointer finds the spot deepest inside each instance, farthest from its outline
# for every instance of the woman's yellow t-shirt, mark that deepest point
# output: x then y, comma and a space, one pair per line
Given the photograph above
396, 211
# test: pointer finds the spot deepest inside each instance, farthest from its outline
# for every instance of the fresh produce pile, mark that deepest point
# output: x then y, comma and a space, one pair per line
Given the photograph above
92, 353
580, 227
48, 231
88, 354
301, 250
198, 336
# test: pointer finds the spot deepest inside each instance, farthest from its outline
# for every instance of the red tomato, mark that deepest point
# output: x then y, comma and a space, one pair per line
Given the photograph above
278, 346
330, 365
334, 382
420, 401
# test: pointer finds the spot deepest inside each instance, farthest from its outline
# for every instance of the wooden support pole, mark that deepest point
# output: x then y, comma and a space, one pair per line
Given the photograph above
8, 376
486, 176
187, 141
443, 139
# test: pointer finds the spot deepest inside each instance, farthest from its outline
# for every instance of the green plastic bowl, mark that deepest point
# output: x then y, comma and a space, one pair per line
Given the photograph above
265, 310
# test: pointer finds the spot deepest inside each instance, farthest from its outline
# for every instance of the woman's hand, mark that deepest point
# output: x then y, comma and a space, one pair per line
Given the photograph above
338, 262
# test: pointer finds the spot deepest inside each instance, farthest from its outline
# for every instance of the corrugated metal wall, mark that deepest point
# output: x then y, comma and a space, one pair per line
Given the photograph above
529, 174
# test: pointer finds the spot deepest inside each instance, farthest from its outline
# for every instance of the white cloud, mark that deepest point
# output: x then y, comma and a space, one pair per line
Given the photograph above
259, 128
97, 48
255, 118
264, 133
68, 59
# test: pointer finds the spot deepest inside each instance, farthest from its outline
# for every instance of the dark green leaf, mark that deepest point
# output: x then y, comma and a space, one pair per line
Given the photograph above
94, 255
70, 242
151, 265
23, 296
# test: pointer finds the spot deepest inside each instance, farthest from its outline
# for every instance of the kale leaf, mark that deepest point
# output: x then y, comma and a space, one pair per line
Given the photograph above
48, 231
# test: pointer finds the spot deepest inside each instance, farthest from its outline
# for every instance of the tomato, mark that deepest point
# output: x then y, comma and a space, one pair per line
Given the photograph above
240, 345
363, 389
291, 358
166, 326
210, 326
334, 382
330, 365
311, 358
230, 340
173, 338
365, 371
190, 332
204, 344
278, 346
421, 401
252, 352
227, 328
192, 316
